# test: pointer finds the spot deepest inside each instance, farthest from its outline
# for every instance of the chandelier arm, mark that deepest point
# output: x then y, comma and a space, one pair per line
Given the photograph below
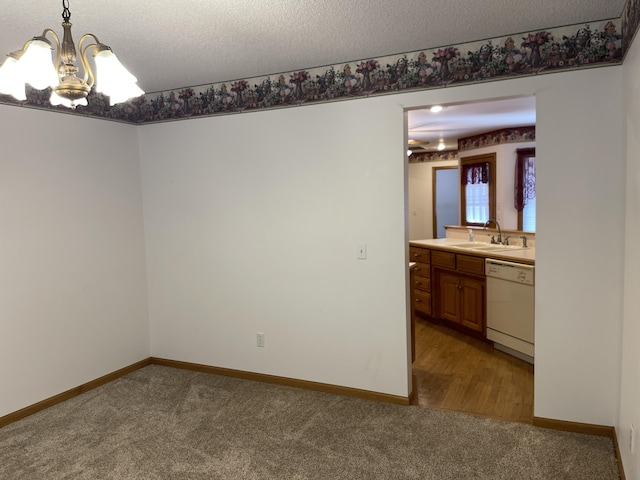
85, 36
89, 77
53, 34
57, 48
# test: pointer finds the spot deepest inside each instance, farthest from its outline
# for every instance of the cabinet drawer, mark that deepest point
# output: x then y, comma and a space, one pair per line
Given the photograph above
468, 264
422, 302
443, 259
422, 283
421, 255
422, 269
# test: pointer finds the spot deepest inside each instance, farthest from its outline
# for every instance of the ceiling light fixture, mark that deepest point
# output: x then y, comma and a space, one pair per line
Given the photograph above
436, 109
409, 153
33, 65
441, 145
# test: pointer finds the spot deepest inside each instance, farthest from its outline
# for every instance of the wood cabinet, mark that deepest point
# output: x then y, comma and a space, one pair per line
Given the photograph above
461, 300
450, 287
413, 314
460, 295
421, 279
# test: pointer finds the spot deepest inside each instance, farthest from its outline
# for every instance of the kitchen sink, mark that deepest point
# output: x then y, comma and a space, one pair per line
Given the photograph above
486, 247
498, 247
471, 245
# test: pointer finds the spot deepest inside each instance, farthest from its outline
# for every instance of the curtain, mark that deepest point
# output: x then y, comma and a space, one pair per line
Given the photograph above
525, 181
475, 173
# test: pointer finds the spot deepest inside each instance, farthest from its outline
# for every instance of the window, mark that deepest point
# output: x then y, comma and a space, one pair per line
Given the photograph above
477, 202
528, 216
478, 189
525, 189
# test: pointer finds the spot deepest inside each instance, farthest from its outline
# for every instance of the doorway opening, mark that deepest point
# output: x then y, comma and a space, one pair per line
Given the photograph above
452, 369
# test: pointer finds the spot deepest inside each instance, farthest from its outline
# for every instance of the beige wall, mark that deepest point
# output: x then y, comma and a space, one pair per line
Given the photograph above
630, 378
73, 303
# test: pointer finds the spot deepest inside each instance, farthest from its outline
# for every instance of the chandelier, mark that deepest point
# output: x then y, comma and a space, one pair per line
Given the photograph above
32, 65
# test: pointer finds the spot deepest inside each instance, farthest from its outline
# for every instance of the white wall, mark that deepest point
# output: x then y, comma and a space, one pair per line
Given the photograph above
630, 385
253, 224
253, 220
72, 274
580, 204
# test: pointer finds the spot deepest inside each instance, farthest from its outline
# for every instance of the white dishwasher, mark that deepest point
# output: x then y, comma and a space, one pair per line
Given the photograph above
510, 307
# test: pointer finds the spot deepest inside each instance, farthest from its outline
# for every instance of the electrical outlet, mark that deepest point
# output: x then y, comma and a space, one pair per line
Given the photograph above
260, 339
632, 438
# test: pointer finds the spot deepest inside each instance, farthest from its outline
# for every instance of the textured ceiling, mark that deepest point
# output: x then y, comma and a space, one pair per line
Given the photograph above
169, 45
468, 119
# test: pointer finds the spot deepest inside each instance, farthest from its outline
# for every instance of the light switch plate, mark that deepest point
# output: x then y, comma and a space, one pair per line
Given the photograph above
362, 251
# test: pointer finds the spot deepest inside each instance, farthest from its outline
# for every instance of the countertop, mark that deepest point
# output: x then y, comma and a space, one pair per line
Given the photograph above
520, 255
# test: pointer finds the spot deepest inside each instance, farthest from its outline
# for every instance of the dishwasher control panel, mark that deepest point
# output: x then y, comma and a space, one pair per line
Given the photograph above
510, 271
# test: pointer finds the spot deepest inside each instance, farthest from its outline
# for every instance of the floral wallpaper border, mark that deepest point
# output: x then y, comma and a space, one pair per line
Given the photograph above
498, 137
424, 157
548, 51
488, 139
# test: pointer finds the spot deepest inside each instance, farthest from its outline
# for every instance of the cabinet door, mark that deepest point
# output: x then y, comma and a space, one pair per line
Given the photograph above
449, 296
472, 303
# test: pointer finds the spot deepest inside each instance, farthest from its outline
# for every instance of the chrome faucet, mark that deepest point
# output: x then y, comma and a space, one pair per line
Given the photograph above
499, 230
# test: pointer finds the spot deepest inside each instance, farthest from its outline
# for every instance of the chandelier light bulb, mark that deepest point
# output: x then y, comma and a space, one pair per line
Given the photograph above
114, 80
36, 66
11, 82
56, 99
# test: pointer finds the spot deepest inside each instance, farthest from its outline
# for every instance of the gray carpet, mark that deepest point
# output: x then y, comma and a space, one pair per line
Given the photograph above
165, 423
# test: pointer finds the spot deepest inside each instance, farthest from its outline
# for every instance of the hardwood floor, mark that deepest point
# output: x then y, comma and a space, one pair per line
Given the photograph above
454, 371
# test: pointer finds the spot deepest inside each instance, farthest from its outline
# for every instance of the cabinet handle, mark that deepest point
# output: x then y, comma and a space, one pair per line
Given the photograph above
418, 300
418, 284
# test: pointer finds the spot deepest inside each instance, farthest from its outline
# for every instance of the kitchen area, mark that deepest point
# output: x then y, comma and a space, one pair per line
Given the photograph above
472, 266
473, 315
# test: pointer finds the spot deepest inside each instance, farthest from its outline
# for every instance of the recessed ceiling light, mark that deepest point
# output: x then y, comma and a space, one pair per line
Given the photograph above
436, 108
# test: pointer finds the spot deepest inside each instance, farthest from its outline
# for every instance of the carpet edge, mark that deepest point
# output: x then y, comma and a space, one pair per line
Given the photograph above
73, 392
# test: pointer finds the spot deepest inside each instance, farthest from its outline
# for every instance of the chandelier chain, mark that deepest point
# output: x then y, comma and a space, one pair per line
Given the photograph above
66, 13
